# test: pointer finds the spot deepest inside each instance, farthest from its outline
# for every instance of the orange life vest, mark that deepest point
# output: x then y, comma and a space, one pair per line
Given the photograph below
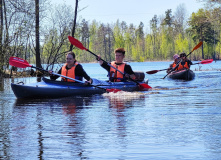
174, 65
183, 66
114, 74
69, 73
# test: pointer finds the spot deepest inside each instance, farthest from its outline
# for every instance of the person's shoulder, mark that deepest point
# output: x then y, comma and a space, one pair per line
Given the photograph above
78, 64
126, 64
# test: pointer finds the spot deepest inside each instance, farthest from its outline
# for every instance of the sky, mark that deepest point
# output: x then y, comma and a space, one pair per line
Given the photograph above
130, 11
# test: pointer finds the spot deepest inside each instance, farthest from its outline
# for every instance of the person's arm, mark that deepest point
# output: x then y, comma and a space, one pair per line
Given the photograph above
189, 62
105, 66
79, 71
128, 70
54, 77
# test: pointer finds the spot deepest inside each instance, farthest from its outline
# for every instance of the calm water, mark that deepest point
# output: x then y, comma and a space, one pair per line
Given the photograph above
175, 120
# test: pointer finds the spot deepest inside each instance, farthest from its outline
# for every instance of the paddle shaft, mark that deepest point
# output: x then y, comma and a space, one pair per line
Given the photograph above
113, 67
57, 74
105, 62
146, 86
80, 45
71, 78
21, 63
174, 68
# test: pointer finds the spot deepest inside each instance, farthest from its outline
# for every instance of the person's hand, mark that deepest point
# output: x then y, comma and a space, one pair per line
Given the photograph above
87, 83
99, 59
132, 76
127, 75
50, 72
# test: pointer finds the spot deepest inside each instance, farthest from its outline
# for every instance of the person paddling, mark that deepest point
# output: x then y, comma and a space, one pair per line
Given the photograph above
113, 74
185, 63
72, 69
176, 59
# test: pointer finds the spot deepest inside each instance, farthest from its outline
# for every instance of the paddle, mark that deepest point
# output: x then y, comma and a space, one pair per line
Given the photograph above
207, 61
79, 45
21, 63
202, 62
195, 48
155, 71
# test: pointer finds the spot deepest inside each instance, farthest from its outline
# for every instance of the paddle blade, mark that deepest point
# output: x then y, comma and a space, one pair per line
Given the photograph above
18, 62
197, 46
152, 72
206, 61
76, 43
144, 86
113, 90
155, 71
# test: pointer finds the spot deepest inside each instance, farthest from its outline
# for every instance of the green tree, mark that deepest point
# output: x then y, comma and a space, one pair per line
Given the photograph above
201, 28
118, 33
154, 35
168, 20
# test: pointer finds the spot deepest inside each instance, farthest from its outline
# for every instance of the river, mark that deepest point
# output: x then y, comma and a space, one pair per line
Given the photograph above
174, 120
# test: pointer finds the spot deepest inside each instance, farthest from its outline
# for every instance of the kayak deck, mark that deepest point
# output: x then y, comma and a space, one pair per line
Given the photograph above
56, 89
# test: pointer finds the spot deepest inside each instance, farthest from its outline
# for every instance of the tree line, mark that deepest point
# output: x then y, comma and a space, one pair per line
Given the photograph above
39, 34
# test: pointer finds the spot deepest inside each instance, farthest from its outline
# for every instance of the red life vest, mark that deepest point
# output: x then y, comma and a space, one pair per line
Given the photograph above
183, 66
115, 74
69, 73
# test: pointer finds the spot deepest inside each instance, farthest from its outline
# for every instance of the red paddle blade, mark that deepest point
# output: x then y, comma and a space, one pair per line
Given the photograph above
152, 72
18, 62
113, 90
76, 43
144, 86
206, 61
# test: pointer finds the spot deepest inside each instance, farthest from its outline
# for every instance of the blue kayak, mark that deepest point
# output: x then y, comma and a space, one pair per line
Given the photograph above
55, 89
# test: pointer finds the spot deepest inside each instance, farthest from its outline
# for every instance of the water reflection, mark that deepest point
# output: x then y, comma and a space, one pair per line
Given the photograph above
4, 136
123, 106
58, 122
1, 84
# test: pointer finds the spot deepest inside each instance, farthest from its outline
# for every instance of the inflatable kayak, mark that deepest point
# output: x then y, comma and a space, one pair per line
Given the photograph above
185, 74
56, 89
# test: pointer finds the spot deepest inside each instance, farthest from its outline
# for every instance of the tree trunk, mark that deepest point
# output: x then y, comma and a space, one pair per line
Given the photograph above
75, 20
37, 49
1, 37
202, 38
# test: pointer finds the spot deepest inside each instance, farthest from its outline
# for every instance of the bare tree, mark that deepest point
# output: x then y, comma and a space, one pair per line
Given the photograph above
179, 18
56, 32
75, 21
1, 35
37, 35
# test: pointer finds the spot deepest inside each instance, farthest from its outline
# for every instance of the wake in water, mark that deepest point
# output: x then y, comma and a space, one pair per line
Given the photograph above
122, 95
